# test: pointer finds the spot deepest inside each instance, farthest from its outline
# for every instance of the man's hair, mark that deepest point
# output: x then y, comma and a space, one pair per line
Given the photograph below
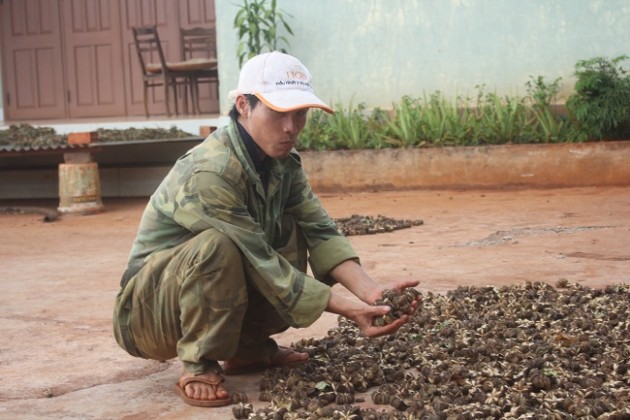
253, 101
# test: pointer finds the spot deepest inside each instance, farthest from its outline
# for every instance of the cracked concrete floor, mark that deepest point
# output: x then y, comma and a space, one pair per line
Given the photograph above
58, 359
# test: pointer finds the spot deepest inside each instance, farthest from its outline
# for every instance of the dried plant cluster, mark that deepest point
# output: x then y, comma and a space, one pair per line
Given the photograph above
400, 304
138, 134
26, 135
367, 225
525, 351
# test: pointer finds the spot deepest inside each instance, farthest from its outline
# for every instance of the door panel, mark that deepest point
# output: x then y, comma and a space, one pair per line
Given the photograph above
197, 13
32, 59
93, 58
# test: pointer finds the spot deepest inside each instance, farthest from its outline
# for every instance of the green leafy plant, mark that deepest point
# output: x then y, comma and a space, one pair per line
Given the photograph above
540, 92
551, 125
350, 126
376, 121
445, 122
601, 103
257, 24
503, 120
404, 128
316, 134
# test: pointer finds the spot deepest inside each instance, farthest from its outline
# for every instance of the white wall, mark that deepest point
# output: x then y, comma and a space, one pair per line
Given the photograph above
376, 51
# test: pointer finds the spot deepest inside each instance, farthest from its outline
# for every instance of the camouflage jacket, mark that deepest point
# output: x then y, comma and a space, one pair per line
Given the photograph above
214, 185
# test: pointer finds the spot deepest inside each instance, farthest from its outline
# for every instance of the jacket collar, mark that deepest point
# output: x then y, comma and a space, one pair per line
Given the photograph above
260, 164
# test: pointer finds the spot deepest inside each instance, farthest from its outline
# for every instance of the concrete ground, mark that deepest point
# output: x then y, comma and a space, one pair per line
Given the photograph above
58, 359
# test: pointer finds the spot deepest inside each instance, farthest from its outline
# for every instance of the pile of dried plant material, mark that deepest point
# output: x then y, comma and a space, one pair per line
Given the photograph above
26, 135
525, 351
366, 225
137, 134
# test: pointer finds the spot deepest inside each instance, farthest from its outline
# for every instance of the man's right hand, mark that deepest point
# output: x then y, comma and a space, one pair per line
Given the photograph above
365, 321
363, 315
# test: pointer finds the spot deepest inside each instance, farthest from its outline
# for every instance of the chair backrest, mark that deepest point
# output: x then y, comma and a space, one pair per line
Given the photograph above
198, 43
148, 46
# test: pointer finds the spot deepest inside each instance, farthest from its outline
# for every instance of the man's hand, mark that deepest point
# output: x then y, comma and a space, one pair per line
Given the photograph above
364, 319
399, 286
352, 276
363, 315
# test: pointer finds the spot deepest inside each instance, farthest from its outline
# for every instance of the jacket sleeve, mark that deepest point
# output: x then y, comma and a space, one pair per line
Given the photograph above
327, 246
214, 199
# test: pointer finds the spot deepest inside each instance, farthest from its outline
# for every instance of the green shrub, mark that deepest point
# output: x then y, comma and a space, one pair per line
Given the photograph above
549, 125
601, 103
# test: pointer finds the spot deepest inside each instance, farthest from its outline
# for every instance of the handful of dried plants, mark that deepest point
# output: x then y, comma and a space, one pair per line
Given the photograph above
400, 304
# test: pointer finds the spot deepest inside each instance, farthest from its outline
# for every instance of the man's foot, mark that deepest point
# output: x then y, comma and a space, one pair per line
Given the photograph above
205, 390
285, 356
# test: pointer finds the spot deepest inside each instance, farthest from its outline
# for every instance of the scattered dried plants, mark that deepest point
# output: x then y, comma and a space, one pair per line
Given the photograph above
524, 351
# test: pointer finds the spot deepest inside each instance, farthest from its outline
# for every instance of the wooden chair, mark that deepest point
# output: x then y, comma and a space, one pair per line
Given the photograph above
156, 71
198, 46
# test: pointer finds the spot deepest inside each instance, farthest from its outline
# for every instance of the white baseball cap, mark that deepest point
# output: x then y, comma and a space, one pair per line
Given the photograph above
280, 81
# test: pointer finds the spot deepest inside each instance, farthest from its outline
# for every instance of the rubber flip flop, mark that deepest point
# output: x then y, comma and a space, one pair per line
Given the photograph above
180, 389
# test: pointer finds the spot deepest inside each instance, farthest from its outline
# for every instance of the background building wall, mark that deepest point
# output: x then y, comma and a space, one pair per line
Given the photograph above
376, 51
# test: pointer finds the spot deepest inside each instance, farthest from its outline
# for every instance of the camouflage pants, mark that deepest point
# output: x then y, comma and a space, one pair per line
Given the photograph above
196, 301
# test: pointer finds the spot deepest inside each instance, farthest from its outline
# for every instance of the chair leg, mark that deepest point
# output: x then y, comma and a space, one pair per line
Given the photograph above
166, 98
146, 100
185, 97
195, 95
191, 85
175, 97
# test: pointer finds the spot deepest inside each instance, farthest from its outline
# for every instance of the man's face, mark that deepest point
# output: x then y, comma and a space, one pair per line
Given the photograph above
274, 132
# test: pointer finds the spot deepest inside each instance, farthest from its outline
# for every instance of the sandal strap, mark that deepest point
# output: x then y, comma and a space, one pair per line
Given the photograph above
204, 380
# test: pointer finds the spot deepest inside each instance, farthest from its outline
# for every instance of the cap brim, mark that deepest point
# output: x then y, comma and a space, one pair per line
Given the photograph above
286, 101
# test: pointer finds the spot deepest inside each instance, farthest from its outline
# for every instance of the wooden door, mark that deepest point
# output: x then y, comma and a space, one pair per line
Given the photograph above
32, 59
93, 58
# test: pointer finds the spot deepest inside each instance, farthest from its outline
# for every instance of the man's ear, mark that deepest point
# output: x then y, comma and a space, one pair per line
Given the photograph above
242, 105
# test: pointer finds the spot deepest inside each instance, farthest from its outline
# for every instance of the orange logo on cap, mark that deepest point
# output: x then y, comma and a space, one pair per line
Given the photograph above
295, 77
296, 74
